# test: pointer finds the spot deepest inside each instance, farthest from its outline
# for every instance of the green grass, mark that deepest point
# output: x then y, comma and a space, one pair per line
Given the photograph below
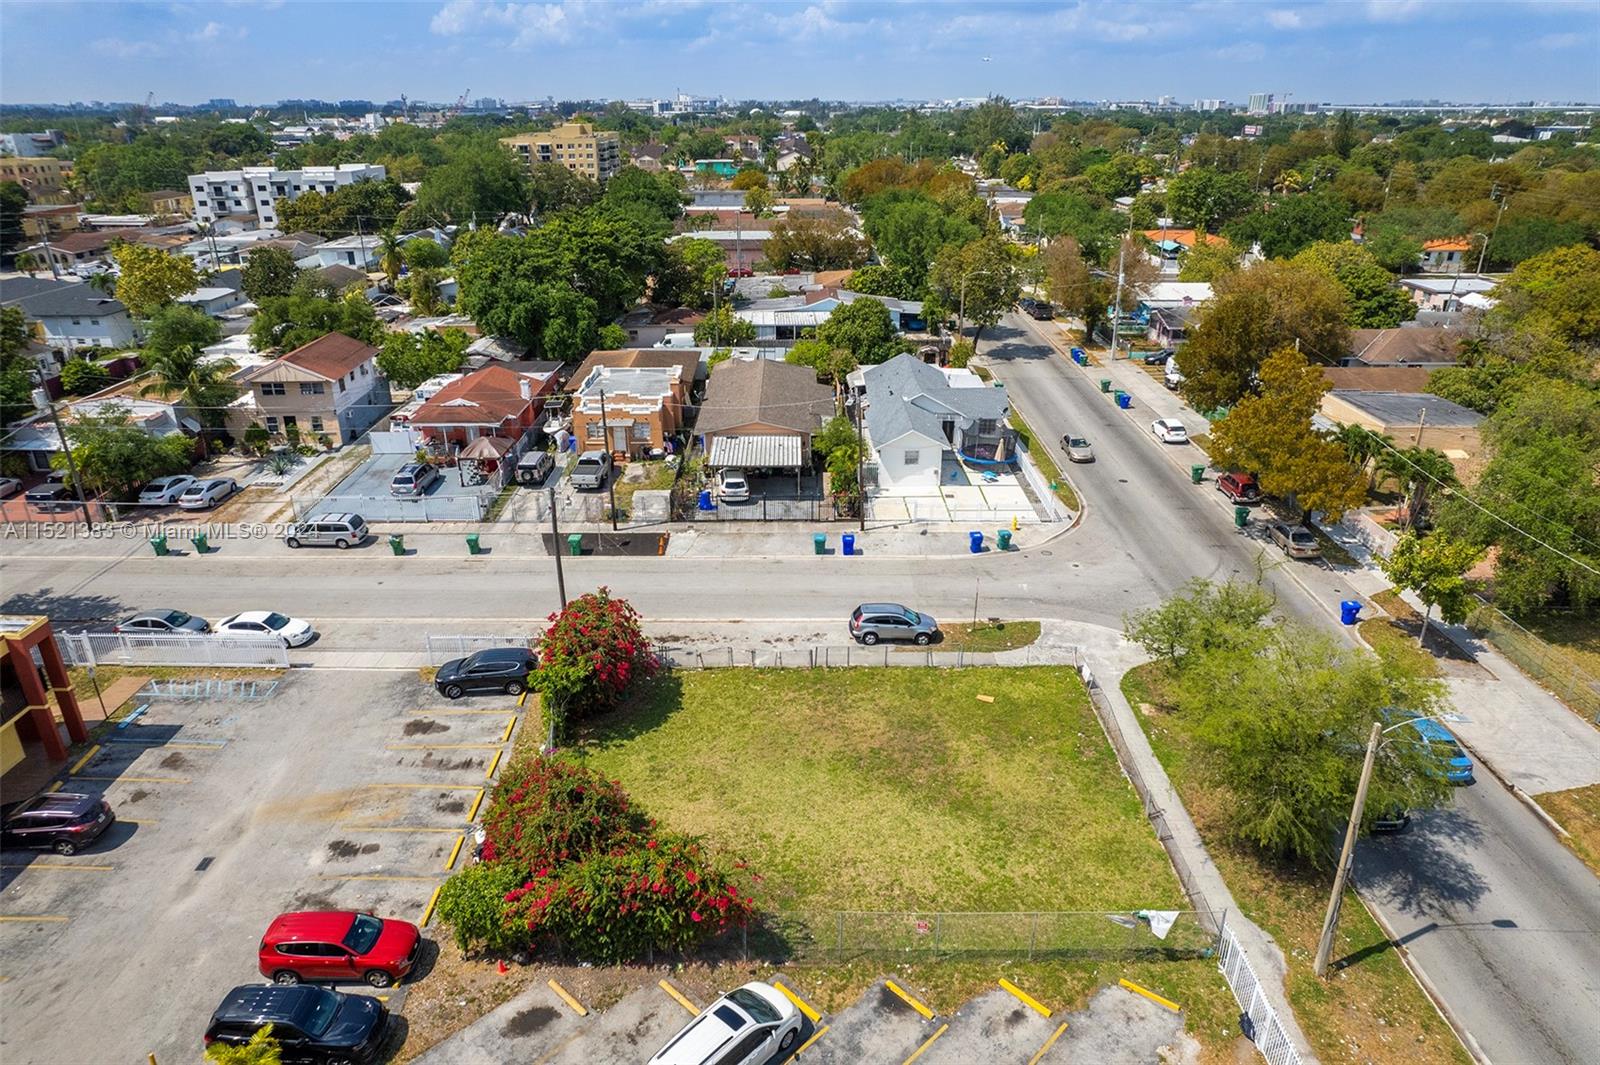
1370, 1009
657, 476
1578, 811
1047, 464
1570, 639
500, 501
893, 789
1389, 639
988, 635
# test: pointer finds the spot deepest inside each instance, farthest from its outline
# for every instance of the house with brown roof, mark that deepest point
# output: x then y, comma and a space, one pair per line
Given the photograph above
1444, 256
1406, 346
640, 398
1378, 378
648, 326
492, 402
329, 387
762, 413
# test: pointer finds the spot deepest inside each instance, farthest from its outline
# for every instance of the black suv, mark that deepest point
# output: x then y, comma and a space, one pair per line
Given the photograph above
498, 669
63, 822
311, 1024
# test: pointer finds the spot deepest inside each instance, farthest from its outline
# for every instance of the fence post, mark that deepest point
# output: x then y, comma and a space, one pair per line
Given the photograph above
938, 929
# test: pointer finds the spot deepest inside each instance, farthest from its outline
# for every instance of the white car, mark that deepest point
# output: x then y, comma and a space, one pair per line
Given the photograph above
292, 631
9, 486
733, 486
202, 495
1169, 431
164, 491
750, 1025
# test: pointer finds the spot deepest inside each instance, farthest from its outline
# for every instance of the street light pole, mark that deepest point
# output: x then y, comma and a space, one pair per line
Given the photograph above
861, 477
555, 547
1330, 924
611, 482
1116, 313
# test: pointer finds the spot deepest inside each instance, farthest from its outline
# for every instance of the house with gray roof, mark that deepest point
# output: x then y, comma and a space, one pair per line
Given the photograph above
73, 314
762, 413
920, 416
784, 319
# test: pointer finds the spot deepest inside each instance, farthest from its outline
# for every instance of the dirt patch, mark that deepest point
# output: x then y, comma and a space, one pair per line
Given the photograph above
433, 761
528, 1021
451, 806
320, 806
343, 849
175, 760
315, 900
425, 726
137, 795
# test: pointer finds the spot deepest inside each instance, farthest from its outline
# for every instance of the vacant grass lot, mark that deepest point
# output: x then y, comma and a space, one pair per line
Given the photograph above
1578, 810
988, 635
1039, 451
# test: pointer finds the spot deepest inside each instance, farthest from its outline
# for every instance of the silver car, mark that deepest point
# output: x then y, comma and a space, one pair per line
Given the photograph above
872, 622
1077, 449
208, 493
166, 490
413, 480
1296, 540
328, 530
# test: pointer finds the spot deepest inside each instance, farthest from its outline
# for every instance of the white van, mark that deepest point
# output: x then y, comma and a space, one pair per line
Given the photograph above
677, 340
1171, 377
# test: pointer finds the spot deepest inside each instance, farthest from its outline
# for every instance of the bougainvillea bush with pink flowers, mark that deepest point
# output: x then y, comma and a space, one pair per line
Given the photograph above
593, 651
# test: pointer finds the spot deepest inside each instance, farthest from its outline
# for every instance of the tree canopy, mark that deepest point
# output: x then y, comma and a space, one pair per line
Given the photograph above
1372, 300
408, 359
151, 278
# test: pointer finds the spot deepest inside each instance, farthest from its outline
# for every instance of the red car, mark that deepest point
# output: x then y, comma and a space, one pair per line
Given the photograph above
338, 946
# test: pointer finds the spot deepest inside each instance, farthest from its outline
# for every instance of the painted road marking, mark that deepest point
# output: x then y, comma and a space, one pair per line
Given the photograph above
800, 1003
472, 813
820, 1032
522, 700
909, 1001
427, 911
509, 726
62, 867
577, 1007
678, 996
33, 918
1151, 995
1048, 1043
80, 763
1025, 998
917, 1053
494, 764
54, 787
454, 851
139, 780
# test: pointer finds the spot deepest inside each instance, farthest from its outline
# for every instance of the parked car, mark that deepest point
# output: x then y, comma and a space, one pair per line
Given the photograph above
535, 467
62, 821
292, 631
208, 493
1169, 431
1296, 540
338, 945
1391, 820
592, 470
1157, 358
1038, 309
328, 530
160, 621
310, 1024
732, 486
1239, 487
750, 1025
871, 622
1077, 449
1452, 759
494, 669
9, 486
1171, 377
413, 480
164, 491
51, 495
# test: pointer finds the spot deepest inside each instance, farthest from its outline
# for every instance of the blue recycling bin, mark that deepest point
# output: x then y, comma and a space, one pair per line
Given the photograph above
1349, 611
975, 541
1124, 400
848, 541
705, 499
1077, 356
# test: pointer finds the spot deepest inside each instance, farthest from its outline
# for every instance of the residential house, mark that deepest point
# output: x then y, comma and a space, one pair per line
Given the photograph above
1166, 245
1355, 378
640, 406
720, 168
330, 387
784, 319
1446, 293
168, 202
251, 195
648, 156
31, 145
742, 248
77, 249
492, 402
45, 221
218, 294
920, 417
71, 314
745, 146
37, 439
1404, 347
361, 251
1444, 256
578, 146
685, 364
43, 179
1168, 327
1414, 419
762, 414
789, 158
648, 326
1164, 294
342, 277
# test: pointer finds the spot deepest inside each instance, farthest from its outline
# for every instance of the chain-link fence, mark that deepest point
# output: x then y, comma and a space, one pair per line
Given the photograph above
1570, 683
442, 649
844, 655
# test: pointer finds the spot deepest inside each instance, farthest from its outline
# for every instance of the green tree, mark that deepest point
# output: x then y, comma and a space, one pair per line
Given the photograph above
178, 326
694, 273
1435, 568
612, 337
391, 256
758, 201
28, 263
1208, 261
878, 280
1372, 299
863, 328
1520, 239
113, 456
722, 328
1072, 285
424, 253
408, 359
1203, 198
482, 183
814, 242
1558, 291
369, 205
16, 368
79, 377
979, 281
152, 278
1393, 250
287, 322
1205, 618
268, 272
750, 177
1342, 139
1292, 223
552, 187
204, 386
659, 195
13, 203
262, 1049
473, 904
909, 229
1058, 214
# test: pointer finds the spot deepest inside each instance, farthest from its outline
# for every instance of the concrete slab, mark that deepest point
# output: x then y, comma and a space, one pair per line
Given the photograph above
993, 1027
878, 1027
1118, 1025
628, 1032
531, 1027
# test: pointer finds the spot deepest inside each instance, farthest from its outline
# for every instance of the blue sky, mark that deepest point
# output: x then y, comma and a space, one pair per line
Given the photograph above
1495, 50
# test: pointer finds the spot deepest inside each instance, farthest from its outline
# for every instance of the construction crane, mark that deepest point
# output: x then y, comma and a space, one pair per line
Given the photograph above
461, 103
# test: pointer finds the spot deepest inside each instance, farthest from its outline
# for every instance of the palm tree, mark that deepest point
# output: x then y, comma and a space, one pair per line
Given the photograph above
1426, 471
1363, 446
27, 262
204, 386
390, 255
104, 282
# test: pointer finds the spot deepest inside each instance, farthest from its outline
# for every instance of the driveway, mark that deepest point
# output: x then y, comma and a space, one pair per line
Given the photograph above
366, 492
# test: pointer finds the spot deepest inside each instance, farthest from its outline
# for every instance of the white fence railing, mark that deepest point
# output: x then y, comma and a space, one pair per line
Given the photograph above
1265, 1030
171, 649
442, 649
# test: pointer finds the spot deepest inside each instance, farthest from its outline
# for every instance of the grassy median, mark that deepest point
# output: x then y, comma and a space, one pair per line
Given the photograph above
1040, 454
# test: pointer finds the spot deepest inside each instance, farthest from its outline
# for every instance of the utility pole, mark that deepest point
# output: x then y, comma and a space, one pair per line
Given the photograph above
861, 476
1505, 201
611, 482
66, 449
1116, 314
1331, 923
555, 538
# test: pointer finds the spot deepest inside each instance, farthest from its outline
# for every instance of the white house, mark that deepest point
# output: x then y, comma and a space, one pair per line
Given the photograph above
361, 251
919, 416
784, 319
220, 293
1446, 293
252, 193
72, 313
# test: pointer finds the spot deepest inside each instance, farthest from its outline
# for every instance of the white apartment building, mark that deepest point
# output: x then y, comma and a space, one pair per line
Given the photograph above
254, 191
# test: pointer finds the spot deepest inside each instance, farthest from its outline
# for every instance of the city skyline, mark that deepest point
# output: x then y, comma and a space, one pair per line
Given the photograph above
260, 52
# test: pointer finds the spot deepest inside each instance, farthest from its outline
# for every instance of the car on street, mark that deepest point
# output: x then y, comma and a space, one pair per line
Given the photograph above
1077, 448
337, 945
535, 467
591, 470
732, 486
51, 495
62, 821
310, 1024
494, 669
1446, 749
1040, 310
1239, 487
164, 491
207, 493
871, 622
1171, 377
1296, 540
412, 480
1169, 431
1391, 820
162, 621
291, 631
1157, 358
750, 1025
328, 530
9, 486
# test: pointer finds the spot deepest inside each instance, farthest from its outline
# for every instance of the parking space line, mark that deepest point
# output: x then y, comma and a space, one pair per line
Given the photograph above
441, 746
1025, 998
375, 876
556, 1053
511, 724
577, 1007
1151, 995
522, 700
818, 1034
494, 764
80, 763
393, 828
428, 787
138, 780
679, 997
909, 1001
917, 1053
472, 813
456, 713
53, 787
34, 918
454, 851
427, 911
801, 1004
1048, 1043
62, 866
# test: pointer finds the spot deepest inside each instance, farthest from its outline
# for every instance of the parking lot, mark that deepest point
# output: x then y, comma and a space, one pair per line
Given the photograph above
366, 492
347, 790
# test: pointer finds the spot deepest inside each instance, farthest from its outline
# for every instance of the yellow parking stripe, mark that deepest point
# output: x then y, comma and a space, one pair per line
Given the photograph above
423, 787
493, 765
818, 1034
63, 867
375, 876
54, 787
472, 813
909, 1001
1048, 1043
801, 1004
138, 780
694, 1011
577, 1007
392, 828
1151, 995
427, 911
454, 713
522, 700
1025, 998
509, 726
33, 918
454, 851
79, 764
915, 1054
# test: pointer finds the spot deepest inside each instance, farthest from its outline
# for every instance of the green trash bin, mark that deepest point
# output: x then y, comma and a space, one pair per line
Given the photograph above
1197, 474
158, 544
1005, 539
472, 544
1241, 516
819, 543
1105, 384
201, 546
397, 544
574, 543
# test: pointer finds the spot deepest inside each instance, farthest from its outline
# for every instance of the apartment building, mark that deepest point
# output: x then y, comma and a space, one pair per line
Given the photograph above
578, 146
43, 178
250, 195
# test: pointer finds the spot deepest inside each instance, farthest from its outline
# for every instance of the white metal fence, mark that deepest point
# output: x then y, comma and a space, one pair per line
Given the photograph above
171, 649
1264, 1028
442, 649
465, 507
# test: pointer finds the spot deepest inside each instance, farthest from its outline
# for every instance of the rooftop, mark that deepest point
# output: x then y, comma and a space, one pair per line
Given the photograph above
331, 356
1405, 409
488, 396
42, 297
762, 390
1402, 347
639, 382
906, 395
687, 363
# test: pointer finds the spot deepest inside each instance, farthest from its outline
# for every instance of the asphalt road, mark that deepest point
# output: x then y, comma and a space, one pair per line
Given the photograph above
1512, 935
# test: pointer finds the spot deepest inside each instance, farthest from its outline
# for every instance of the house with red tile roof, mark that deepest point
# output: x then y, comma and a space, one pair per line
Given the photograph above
1445, 256
492, 402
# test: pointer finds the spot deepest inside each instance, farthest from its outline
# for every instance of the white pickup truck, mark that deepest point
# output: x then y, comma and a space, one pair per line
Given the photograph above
592, 470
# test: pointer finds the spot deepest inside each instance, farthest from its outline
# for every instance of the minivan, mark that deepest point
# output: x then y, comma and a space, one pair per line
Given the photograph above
328, 530
412, 480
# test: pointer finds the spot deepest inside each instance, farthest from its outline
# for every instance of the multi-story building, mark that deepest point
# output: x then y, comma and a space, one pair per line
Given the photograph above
251, 195
42, 178
31, 144
596, 154
329, 387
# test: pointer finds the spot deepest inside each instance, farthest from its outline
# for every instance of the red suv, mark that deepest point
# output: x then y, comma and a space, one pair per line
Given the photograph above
1239, 487
338, 945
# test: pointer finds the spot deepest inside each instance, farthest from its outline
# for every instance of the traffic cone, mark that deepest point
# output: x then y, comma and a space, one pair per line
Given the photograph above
502, 966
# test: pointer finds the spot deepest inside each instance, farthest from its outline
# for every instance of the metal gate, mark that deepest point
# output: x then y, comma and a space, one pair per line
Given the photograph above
394, 441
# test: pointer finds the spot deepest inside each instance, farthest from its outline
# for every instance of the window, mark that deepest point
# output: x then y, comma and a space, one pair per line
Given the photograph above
641, 431
94, 321
363, 369
199, 203
913, 457
272, 425
594, 431
312, 388
77, 321
316, 424
272, 388
341, 384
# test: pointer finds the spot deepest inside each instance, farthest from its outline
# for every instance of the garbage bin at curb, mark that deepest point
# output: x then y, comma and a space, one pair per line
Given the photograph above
1105, 384
397, 544
1124, 400
1197, 474
1005, 539
472, 544
201, 545
819, 543
975, 542
158, 544
1077, 355
1349, 609
1241, 516
574, 543
848, 542
705, 500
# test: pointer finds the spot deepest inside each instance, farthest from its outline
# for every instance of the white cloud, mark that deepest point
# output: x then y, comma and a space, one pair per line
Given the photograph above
117, 48
209, 32
530, 24
1242, 52
1393, 10
1563, 40
1283, 19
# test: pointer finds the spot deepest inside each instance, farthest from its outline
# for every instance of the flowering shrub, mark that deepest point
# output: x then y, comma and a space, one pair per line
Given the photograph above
546, 811
594, 649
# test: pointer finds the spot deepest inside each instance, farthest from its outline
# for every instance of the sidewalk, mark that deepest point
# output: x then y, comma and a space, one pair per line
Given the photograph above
1151, 398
